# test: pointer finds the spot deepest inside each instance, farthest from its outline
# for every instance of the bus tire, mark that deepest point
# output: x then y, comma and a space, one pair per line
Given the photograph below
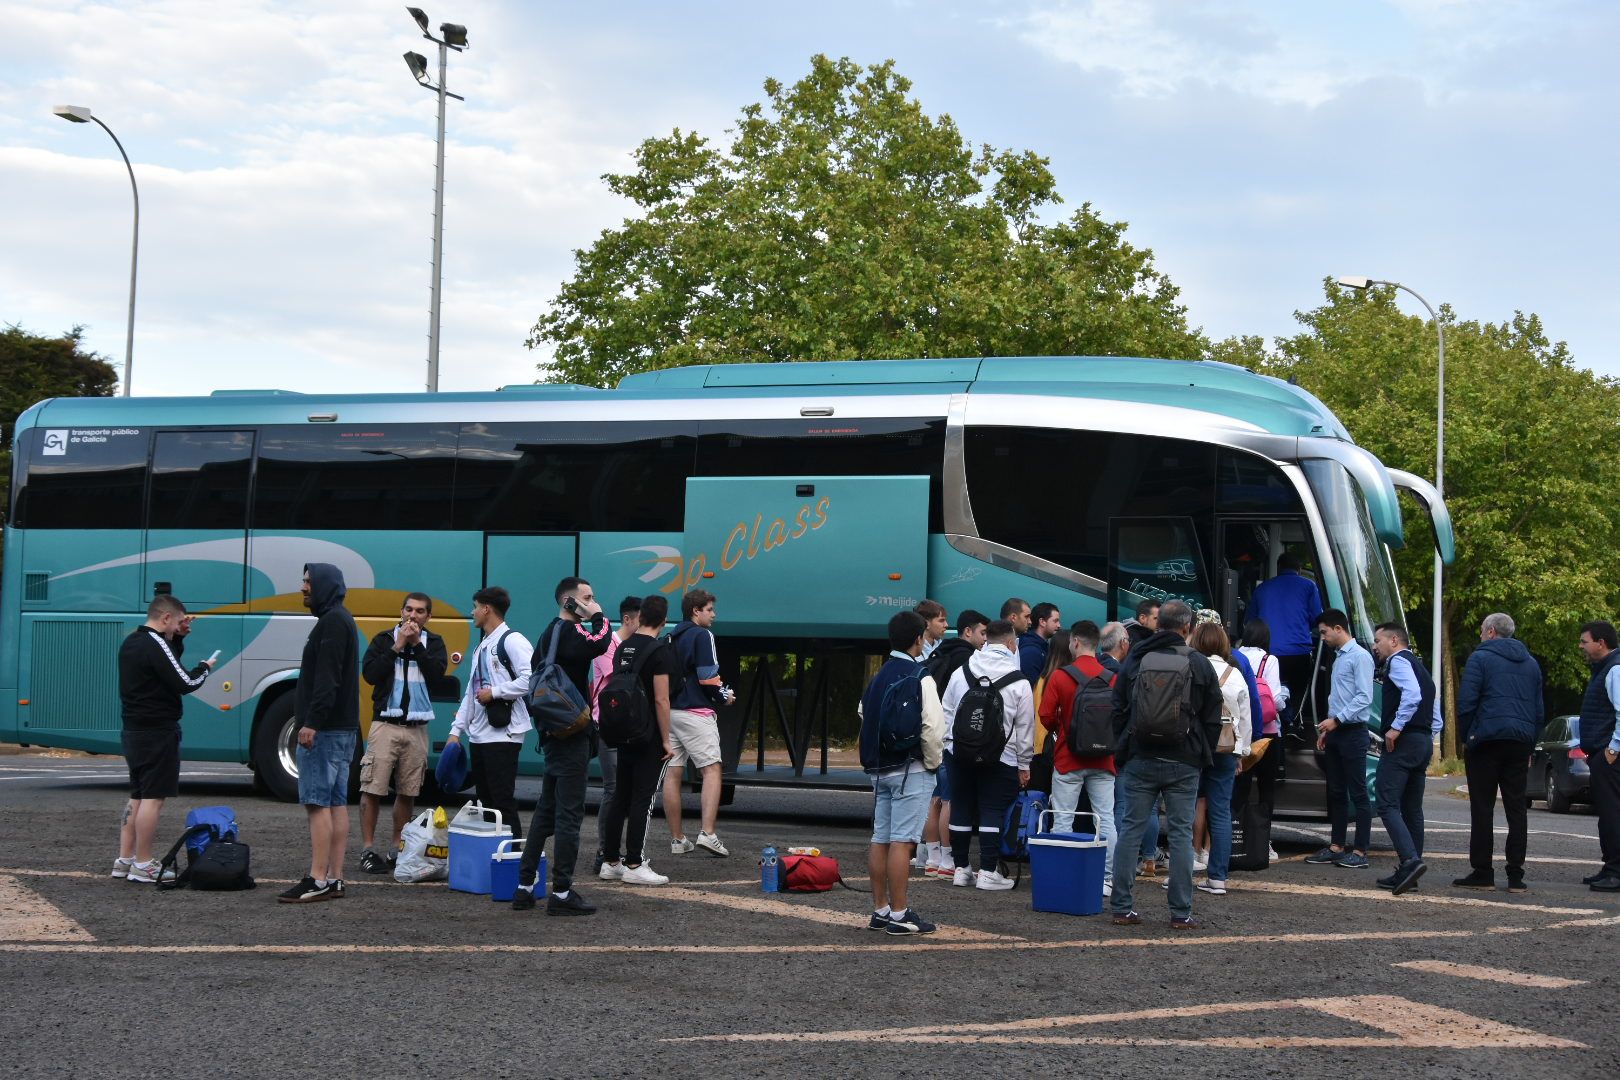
273, 741
728, 794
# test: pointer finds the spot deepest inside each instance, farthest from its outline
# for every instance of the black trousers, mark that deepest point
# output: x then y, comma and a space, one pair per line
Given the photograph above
1345, 766
1263, 774
980, 795
1606, 799
559, 812
1295, 673
493, 767
639, 768
1504, 766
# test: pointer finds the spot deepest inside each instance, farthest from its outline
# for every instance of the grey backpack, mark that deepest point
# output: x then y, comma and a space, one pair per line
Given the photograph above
1161, 699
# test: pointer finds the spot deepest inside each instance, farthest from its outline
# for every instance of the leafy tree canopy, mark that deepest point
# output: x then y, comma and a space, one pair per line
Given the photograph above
844, 222
1532, 464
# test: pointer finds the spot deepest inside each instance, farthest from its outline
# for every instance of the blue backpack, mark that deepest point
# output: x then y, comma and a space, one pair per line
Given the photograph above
1022, 821
220, 822
900, 722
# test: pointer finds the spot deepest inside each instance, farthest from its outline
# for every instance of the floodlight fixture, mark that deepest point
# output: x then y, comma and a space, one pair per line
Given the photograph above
420, 16
418, 65
455, 36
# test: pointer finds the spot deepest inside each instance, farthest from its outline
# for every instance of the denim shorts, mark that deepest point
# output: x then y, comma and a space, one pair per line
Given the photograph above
942, 778
900, 807
323, 769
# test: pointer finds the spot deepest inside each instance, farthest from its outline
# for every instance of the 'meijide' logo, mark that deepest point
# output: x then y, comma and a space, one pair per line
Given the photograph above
56, 442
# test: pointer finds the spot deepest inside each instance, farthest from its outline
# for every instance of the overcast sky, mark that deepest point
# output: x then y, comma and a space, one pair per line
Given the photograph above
285, 158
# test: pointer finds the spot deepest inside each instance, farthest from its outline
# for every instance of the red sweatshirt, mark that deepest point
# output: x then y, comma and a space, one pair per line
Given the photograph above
1057, 704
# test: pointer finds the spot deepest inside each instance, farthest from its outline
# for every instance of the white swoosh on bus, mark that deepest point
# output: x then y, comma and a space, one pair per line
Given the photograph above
664, 561
279, 558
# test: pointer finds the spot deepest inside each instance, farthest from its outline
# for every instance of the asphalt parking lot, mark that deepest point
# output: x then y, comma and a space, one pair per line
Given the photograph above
1302, 970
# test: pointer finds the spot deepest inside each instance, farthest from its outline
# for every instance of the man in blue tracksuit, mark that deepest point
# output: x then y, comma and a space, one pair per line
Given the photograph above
1499, 720
1411, 721
1289, 604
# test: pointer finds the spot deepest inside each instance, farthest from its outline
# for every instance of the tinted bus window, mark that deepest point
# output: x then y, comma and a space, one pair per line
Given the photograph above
573, 477
83, 478
383, 476
200, 480
829, 447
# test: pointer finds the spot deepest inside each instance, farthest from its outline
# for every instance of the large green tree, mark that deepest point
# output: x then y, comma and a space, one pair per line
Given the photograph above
1532, 459
844, 222
32, 368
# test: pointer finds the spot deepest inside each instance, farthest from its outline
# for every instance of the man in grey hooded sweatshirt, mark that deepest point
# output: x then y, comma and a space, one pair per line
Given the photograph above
328, 710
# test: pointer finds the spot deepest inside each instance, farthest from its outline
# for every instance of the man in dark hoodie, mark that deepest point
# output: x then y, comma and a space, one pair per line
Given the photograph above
328, 710
1167, 720
1499, 719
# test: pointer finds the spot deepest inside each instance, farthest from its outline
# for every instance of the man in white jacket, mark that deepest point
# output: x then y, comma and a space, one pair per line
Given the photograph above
500, 675
983, 782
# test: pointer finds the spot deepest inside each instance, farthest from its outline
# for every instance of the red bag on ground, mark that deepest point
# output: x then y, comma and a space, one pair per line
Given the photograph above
809, 873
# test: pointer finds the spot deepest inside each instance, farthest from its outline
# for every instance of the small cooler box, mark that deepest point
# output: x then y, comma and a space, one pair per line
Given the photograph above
475, 835
1066, 869
503, 870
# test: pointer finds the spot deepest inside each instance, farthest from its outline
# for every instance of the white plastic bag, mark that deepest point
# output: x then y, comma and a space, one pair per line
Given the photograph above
425, 852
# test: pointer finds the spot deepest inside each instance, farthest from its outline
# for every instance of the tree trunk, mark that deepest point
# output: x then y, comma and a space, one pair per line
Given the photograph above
1448, 736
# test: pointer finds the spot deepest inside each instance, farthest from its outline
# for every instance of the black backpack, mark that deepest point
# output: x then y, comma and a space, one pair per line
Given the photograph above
223, 865
979, 731
1161, 699
1091, 722
623, 709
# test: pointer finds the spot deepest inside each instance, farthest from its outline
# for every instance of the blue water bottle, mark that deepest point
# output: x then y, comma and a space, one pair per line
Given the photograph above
768, 880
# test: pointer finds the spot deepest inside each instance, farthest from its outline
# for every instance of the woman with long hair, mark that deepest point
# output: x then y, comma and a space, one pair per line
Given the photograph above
1040, 767
1212, 833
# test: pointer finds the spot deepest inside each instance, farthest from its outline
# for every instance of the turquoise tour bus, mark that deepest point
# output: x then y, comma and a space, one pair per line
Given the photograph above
815, 499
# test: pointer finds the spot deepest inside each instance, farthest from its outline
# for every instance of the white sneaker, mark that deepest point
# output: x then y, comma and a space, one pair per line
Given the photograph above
710, 842
121, 867
680, 846
147, 872
1200, 861
1214, 888
611, 871
993, 881
962, 876
1272, 856
643, 875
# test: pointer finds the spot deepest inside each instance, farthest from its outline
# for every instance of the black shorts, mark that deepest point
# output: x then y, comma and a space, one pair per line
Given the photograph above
153, 755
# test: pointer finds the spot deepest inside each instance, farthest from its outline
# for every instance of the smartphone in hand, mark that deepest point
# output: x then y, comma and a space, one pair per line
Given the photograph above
214, 659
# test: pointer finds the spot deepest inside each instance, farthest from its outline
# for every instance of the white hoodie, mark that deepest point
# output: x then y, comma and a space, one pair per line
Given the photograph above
994, 661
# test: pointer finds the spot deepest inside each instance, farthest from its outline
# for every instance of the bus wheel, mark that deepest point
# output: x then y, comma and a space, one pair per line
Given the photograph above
274, 741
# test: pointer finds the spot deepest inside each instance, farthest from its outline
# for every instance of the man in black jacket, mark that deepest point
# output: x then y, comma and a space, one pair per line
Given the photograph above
1167, 718
151, 683
401, 664
328, 710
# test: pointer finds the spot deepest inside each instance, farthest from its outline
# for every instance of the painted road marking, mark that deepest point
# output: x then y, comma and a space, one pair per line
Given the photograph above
846, 920
1412, 898
1406, 1025
1490, 974
27, 916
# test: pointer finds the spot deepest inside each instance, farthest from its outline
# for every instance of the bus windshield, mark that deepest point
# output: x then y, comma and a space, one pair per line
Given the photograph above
1366, 577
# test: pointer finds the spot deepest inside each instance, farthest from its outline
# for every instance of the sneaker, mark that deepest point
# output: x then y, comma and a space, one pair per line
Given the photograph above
1592, 879
993, 881
1609, 883
611, 871
1130, 918
1516, 883
1200, 861
596, 864
643, 875
1145, 869
121, 867
920, 861
147, 872
574, 905
710, 842
680, 846
1479, 879
1214, 888
1389, 882
1161, 861
1353, 860
1409, 875
1272, 856
878, 922
523, 899
909, 922
305, 892
335, 889
1191, 922
1326, 857
373, 863
962, 876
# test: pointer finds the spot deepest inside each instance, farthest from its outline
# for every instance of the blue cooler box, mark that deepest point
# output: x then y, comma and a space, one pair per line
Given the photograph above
1066, 869
476, 833
503, 871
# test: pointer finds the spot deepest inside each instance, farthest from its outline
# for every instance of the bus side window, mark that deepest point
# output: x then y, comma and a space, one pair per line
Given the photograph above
83, 480
379, 476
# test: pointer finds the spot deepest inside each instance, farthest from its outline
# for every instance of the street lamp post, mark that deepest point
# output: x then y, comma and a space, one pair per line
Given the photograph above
455, 37
79, 114
1361, 284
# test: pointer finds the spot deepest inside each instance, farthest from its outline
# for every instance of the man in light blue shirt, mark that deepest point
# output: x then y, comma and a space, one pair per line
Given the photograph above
1342, 737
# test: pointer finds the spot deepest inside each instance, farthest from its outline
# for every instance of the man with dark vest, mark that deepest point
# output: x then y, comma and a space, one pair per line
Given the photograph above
1600, 741
1411, 720
1500, 714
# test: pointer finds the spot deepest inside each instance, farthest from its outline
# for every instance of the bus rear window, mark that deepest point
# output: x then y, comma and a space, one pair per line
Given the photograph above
82, 478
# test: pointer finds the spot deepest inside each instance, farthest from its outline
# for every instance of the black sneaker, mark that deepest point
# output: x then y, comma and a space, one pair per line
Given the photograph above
1389, 882
1409, 875
1591, 879
335, 890
909, 922
1326, 857
574, 905
878, 922
373, 863
523, 900
1607, 883
1516, 883
1478, 879
305, 892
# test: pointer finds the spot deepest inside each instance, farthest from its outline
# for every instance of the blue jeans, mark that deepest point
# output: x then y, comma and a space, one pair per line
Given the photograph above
1345, 766
1400, 783
1098, 785
323, 769
1218, 780
1139, 784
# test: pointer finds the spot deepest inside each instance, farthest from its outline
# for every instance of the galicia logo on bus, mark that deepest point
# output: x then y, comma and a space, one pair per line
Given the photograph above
55, 445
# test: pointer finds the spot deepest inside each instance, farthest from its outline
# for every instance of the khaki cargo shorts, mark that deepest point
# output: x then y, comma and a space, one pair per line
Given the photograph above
397, 753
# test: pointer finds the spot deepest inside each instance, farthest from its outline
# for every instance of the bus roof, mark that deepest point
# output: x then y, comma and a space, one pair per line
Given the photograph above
1267, 403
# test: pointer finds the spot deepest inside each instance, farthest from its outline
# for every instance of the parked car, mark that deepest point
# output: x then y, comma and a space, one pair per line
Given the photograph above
1558, 770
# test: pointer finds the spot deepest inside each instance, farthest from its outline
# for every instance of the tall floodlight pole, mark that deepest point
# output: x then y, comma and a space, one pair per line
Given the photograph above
1361, 283
79, 114
455, 37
